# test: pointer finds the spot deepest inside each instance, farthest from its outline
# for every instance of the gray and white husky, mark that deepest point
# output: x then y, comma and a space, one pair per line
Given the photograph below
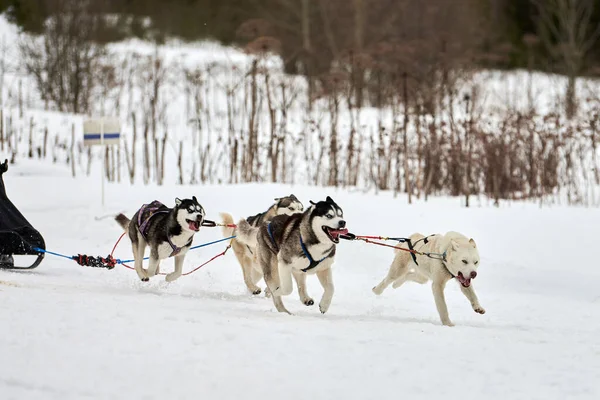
297, 245
246, 254
168, 232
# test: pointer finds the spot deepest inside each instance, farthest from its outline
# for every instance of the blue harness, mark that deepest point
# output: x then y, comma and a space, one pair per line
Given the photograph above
313, 264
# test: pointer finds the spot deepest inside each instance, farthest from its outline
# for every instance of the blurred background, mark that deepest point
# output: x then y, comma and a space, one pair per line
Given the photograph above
494, 99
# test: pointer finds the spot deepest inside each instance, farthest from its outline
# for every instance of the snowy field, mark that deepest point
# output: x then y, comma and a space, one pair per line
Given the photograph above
68, 332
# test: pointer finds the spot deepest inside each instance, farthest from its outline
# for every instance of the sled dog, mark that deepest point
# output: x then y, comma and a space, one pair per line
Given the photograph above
168, 232
297, 245
457, 258
245, 254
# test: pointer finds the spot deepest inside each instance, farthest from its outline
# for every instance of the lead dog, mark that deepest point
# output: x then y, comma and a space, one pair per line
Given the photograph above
245, 254
297, 245
167, 231
458, 258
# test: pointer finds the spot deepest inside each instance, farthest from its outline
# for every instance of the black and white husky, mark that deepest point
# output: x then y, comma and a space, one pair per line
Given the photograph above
297, 245
167, 231
245, 254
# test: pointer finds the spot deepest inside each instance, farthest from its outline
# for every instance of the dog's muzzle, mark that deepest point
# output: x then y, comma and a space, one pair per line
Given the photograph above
464, 281
194, 225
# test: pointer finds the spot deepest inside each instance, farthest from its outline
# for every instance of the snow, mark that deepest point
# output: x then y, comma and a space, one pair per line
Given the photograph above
68, 332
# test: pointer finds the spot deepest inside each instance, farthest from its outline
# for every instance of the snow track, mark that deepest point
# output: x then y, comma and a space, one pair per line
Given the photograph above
69, 332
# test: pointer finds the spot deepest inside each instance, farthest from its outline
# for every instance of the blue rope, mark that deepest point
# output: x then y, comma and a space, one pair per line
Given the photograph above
127, 261
191, 248
50, 252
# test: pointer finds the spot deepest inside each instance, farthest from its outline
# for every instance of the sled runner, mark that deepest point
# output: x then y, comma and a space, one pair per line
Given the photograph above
17, 236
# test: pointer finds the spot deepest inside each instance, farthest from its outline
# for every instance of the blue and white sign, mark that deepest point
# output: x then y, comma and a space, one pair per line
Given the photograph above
104, 131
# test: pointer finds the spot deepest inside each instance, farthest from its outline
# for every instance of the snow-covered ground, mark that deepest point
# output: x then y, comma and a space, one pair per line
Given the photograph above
68, 332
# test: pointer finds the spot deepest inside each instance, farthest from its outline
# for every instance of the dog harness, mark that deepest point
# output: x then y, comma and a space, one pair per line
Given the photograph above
441, 257
313, 263
145, 214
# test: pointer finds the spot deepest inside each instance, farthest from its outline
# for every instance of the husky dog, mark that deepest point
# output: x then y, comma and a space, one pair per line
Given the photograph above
167, 231
458, 258
245, 254
297, 245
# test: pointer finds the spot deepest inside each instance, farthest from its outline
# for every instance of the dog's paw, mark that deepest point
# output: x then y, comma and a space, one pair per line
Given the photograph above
448, 323
172, 277
145, 279
309, 302
256, 291
323, 308
479, 310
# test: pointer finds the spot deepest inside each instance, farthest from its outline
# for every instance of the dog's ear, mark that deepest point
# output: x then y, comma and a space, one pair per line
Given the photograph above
312, 202
472, 242
329, 200
195, 199
454, 244
177, 201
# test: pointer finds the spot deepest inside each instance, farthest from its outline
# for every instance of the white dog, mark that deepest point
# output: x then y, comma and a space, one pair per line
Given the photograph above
456, 256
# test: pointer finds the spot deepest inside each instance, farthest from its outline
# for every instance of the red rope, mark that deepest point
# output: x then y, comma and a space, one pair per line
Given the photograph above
212, 259
163, 273
370, 237
367, 240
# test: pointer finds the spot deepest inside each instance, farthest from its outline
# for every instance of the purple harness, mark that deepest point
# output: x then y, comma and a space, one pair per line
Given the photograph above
145, 214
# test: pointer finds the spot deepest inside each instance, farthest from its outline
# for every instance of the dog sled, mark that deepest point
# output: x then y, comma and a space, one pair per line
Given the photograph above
17, 236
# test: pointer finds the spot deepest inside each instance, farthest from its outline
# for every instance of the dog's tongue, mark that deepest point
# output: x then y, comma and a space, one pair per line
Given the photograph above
338, 232
195, 226
464, 281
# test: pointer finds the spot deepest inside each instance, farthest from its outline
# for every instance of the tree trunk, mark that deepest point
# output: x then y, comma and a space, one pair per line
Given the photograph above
146, 154
30, 152
273, 149
72, 149
570, 97
306, 47
407, 184
2, 129
180, 163
162, 159
45, 148
357, 68
333, 143
133, 149
252, 134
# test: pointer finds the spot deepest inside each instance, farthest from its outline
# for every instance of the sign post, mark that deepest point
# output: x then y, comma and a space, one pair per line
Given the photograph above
103, 132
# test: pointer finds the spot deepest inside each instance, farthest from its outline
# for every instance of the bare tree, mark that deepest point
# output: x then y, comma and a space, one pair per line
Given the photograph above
63, 61
567, 32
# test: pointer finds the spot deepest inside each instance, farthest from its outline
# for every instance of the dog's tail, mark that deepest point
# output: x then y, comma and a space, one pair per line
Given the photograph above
123, 221
227, 219
246, 233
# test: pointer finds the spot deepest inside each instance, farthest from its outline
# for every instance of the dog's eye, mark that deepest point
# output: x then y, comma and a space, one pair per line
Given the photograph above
291, 208
465, 261
329, 216
476, 262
